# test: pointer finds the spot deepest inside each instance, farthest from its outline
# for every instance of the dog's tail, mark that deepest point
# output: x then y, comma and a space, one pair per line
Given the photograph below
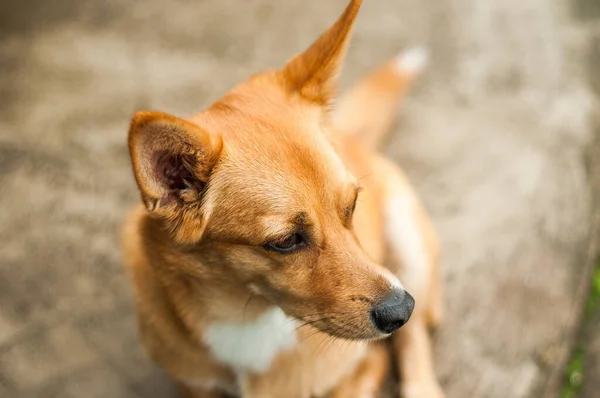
367, 110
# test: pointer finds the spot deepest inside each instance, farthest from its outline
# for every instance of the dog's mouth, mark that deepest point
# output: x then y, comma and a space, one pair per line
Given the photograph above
377, 321
345, 326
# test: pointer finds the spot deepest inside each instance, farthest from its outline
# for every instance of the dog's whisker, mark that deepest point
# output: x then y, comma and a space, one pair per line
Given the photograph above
365, 176
309, 323
246, 306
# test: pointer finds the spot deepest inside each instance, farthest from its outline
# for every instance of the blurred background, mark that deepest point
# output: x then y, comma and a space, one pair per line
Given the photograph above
501, 138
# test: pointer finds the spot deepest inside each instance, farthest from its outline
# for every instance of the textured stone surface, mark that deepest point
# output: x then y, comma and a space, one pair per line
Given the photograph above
591, 363
493, 136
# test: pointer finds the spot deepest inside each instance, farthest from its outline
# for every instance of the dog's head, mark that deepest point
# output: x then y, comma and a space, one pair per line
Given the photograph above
255, 185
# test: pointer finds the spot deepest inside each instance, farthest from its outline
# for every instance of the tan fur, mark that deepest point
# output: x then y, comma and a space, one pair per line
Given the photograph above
263, 163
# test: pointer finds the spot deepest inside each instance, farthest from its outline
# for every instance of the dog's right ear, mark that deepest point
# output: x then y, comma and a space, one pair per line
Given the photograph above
313, 73
172, 161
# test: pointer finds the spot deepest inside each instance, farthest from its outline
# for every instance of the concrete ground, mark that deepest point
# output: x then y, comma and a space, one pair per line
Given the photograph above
497, 138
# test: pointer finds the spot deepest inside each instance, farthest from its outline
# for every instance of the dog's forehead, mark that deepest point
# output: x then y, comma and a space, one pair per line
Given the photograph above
280, 174
286, 166
267, 133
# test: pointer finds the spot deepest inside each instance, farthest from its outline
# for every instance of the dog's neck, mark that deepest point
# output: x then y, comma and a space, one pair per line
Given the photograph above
213, 299
198, 288
242, 330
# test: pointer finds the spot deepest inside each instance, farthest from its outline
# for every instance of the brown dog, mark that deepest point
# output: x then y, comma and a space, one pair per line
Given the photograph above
256, 264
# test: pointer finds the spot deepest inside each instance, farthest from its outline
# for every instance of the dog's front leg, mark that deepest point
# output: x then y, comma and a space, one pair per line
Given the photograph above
414, 352
277, 383
368, 377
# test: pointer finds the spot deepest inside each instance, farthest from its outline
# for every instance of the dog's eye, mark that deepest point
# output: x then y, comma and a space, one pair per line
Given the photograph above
288, 244
353, 205
349, 212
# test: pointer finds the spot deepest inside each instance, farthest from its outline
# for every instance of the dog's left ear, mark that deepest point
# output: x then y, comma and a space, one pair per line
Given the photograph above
313, 73
172, 161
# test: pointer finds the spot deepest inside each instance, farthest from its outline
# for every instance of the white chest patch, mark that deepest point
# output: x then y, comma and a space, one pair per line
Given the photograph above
252, 346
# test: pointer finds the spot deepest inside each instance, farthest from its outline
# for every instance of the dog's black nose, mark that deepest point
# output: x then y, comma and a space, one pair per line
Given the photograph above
393, 312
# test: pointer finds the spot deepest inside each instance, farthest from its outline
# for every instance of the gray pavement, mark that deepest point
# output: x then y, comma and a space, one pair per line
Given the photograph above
497, 138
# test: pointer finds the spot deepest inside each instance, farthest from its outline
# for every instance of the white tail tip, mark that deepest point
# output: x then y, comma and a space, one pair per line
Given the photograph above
412, 61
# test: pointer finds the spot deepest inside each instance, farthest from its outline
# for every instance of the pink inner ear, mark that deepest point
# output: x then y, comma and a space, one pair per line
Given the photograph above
174, 171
